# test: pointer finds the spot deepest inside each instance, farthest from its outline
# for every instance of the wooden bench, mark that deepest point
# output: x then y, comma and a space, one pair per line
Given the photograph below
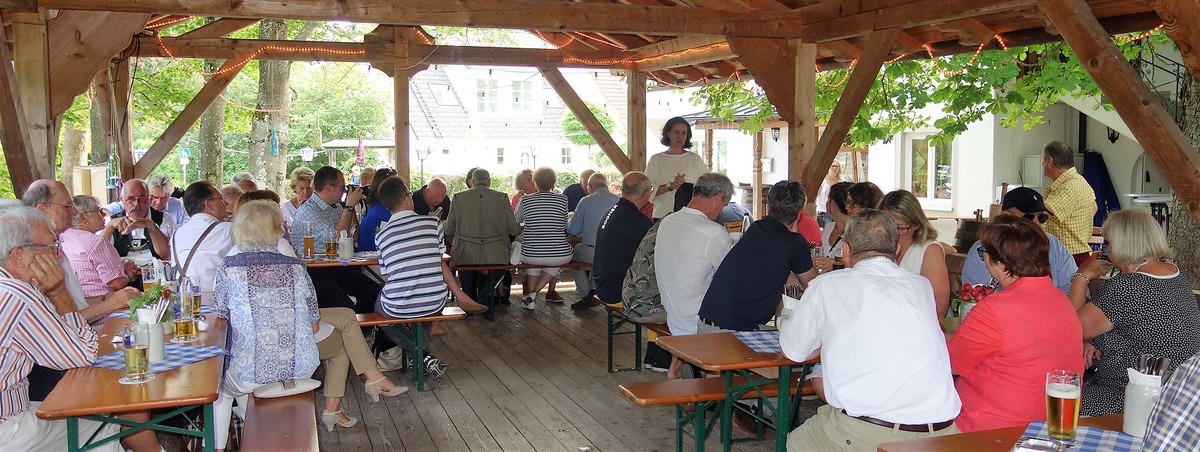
617, 319
486, 290
284, 423
416, 340
700, 394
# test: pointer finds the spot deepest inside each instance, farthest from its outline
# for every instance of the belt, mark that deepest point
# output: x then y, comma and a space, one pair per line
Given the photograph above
918, 428
757, 328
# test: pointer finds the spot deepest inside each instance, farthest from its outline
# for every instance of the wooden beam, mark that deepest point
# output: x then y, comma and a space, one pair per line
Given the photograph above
1177, 17
698, 55
401, 77
122, 81
843, 51
903, 16
772, 63
19, 6
601, 136
970, 31
105, 100
31, 53
675, 45
636, 115
1153, 127
878, 47
14, 134
802, 138
187, 118
219, 29
83, 44
524, 14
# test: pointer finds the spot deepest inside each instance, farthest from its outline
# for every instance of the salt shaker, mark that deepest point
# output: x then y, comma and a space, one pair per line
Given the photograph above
1140, 395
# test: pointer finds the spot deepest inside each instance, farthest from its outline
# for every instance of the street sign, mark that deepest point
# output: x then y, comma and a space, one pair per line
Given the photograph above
184, 154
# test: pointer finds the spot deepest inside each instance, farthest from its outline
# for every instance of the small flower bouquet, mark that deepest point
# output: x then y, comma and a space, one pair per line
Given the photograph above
157, 299
962, 301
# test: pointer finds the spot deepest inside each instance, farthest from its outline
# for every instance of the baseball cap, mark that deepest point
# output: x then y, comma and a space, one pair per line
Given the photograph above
1025, 199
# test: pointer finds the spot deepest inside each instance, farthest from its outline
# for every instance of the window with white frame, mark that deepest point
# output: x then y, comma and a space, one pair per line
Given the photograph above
566, 155
499, 156
929, 171
522, 96
488, 95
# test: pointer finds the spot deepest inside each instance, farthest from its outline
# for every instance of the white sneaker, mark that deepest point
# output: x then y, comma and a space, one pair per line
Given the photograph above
528, 303
389, 360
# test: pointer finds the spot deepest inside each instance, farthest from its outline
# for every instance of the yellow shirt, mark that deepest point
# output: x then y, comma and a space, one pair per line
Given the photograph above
1073, 204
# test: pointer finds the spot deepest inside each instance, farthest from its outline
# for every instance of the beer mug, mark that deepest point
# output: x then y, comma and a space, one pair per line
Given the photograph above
150, 277
190, 288
136, 342
184, 323
1062, 404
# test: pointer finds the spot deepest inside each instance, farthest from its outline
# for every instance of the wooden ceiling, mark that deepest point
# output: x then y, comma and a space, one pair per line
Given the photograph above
677, 42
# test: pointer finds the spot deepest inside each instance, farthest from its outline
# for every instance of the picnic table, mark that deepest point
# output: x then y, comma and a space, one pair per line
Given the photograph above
729, 355
1001, 439
93, 392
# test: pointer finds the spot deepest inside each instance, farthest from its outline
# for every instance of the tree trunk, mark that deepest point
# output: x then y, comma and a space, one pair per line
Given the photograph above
274, 109
1184, 235
72, 152
209, 158
100, 148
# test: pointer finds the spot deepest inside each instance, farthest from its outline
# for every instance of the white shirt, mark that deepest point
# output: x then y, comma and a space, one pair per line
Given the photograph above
176, 211
882, 351
203, 266
662, 169
690, 247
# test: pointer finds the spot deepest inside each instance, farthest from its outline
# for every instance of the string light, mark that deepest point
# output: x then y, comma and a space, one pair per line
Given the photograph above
595, 39
168, 23
1143, 35
845, 76
266, 48
938, 65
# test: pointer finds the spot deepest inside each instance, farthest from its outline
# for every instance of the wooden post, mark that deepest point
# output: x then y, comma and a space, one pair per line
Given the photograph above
400, 79
802, 142
1141, 110
14, 134
31, 59
756, 182
636, 114
708, 148
122, 82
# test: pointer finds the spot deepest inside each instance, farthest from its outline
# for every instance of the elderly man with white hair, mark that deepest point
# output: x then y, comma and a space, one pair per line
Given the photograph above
584, 226
139, 230
161, 188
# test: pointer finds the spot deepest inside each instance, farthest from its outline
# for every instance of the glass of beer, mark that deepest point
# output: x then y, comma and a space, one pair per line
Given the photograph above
310, 249
150, 277
184, 322
189, 288
331, 249
1062, 404
136, 341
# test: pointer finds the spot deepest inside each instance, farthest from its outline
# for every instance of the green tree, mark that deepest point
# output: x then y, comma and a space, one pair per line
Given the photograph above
575, 132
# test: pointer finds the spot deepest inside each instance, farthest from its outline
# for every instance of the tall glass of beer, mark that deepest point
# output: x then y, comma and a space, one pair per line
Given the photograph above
136, 343
1062, 404
310, 249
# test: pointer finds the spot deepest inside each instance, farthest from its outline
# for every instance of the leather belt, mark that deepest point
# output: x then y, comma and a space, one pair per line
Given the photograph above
917, 428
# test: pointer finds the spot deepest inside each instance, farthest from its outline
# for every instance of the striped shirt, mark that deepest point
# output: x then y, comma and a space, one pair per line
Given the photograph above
544, 215
1073, 203
410, 255
94, 260
32, 332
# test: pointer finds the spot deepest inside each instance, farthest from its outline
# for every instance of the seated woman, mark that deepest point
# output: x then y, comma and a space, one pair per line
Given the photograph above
272, 311
918, 249
1147, 308
1003, 349
94, 259
376, 214
544, 241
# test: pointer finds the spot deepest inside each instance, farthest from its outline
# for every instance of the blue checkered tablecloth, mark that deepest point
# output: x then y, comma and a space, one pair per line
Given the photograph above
124, 313
1091, 438
177, 355
760, 341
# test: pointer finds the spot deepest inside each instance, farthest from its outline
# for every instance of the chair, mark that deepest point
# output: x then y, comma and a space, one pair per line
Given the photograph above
733, 226
954, 265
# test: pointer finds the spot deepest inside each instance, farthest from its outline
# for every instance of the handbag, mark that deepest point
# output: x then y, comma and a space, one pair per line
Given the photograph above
514, 252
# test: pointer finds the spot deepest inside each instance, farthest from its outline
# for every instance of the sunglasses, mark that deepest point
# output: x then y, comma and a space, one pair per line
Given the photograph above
1039, 217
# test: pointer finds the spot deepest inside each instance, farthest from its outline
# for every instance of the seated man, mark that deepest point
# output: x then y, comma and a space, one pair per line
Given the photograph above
161, 188
578, 190
745, 290
617, 237
137, 231
200, 245
327, 216
1172, 424
36, 330
430, 198
584, 225
410, 250
886, 366
690, 247
482, 225
1023, 202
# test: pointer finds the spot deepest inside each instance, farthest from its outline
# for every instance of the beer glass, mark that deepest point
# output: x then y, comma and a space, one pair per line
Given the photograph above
150, 277
184, 323
1062, 404
310, 249
331, 249
190, 288
136, 341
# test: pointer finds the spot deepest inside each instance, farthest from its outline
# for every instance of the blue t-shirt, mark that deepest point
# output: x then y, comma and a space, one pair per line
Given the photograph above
574, 193
617, 240
747, 286
375, 216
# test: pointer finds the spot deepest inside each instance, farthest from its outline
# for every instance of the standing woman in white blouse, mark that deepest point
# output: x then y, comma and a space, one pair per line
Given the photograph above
674, 167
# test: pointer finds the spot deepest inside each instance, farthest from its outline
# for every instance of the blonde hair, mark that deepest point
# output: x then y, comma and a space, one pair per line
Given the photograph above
1134, 237
258, 224
301, 173
544, 178
904, 205
256, 195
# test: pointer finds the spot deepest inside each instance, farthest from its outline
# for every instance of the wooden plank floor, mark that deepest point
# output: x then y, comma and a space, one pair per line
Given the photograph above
529, 381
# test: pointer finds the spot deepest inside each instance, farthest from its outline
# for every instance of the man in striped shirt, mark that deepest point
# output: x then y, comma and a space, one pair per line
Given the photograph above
36, 330
410, 257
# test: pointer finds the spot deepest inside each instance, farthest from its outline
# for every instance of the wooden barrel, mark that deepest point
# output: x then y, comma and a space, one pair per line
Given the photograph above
966, 235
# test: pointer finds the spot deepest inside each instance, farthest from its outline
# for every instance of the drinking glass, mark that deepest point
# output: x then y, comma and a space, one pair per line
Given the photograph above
136, 349
331, 249
184, 323
150, 277
1062, 404
190, 288
309, 247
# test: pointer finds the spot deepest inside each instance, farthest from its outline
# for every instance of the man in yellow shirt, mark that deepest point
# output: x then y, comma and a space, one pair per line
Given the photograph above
1069, 199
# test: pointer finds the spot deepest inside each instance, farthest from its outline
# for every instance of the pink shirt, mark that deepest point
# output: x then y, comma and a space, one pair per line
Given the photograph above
1005, 346
94, 260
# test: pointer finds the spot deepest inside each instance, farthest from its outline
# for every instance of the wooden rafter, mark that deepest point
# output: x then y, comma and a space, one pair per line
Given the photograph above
906, 15
84, 42
1140, 108
1177, 16
802, 127
970, 31
849, 103
187, 118
14, 135
572, 100
219, 28
636, 117
771, 60
31, 56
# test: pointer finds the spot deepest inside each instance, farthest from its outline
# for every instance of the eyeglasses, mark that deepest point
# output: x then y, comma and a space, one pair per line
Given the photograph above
981, 252
903, 229
67, 206
53, 247
1039, 217
132, 199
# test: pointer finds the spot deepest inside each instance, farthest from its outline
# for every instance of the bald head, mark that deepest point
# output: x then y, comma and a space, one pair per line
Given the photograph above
52, 198
635, 188
435, 192
596, 181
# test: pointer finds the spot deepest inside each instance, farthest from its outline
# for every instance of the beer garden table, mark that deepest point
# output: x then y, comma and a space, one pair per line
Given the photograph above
725, 353
93, 393
1001, 439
